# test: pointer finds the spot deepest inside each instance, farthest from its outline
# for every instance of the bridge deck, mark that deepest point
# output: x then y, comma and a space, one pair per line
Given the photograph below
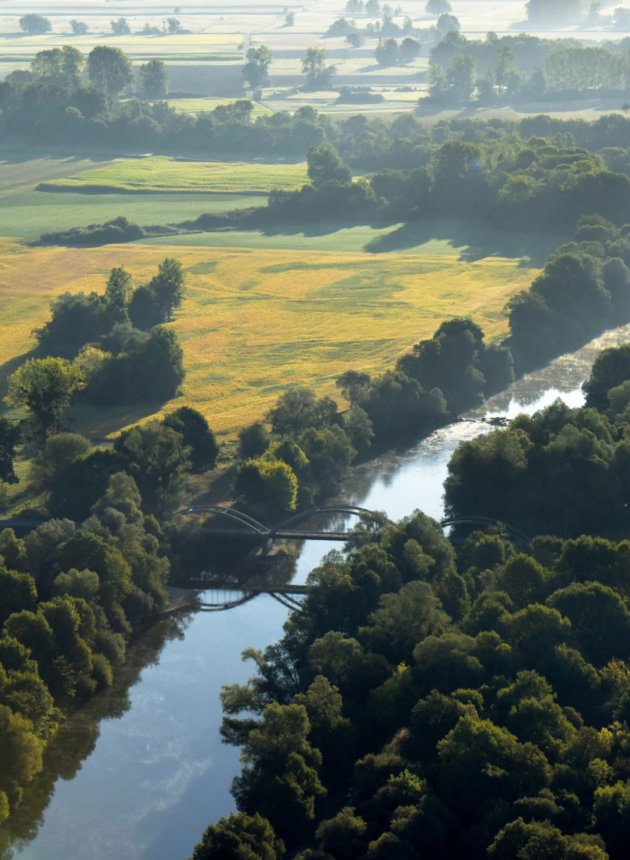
281, 534
248, 587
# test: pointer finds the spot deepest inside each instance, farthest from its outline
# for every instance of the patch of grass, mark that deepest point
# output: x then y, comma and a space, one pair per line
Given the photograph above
255, 321
27, 215
158, 173
200, 105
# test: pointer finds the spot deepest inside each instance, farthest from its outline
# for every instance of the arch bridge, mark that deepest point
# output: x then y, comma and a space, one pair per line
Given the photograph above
224, 595
242, 524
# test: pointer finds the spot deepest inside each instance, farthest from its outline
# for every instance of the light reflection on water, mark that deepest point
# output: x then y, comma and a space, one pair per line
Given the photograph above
159, 774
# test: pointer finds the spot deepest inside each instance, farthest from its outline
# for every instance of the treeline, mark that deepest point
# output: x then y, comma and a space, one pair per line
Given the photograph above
507, 182
432, 702
565, 471
70, 100
583, 289
70, 597
68, 108
525, 68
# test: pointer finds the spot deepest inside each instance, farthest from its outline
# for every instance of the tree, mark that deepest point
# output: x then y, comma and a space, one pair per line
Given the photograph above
109, 69
10, 435
45, 386
298, 408
55, 457
280, 771
120, 27
153, 78
252, 441
612, 808
256, 69
386, 53
239, 837
168, 287
79, 28
325, 165
355, 39
409, 49
118, 290
197, 435
173, 26
447, 23
157, 458
460, 77
267, 486
20, 752
35, 25
343, 836
318, 74
60, 66
480, 762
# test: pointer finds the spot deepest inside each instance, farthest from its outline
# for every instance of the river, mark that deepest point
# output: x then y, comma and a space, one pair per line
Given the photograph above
143, 767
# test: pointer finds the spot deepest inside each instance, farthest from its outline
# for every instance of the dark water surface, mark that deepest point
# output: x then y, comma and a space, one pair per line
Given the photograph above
144, 767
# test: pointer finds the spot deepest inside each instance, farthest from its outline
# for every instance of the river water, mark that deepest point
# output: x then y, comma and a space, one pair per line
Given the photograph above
143, 769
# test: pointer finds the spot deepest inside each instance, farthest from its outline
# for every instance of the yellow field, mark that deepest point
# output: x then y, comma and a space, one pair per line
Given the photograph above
162, 174
256, 321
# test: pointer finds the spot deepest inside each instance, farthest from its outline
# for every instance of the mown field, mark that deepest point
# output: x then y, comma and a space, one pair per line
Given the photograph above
171, 175
255, 321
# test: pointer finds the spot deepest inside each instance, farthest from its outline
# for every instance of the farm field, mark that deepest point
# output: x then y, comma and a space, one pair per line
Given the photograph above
163, 174
255, 321
195, 106
26, 213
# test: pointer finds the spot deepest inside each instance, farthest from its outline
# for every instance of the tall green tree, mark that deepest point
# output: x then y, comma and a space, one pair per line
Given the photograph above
44, 386
109, 69
153, 78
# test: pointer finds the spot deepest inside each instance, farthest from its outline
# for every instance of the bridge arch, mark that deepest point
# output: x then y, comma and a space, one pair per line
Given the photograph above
233, 514
512, 532
353, 510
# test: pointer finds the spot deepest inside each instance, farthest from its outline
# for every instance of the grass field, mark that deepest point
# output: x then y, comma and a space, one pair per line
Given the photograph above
256, 321
170, 175
199, 105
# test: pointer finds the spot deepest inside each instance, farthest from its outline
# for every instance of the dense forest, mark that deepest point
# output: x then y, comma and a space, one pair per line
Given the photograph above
442, 700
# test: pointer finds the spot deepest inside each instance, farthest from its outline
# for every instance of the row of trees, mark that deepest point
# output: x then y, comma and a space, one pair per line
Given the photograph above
106, 69
36, 25
507, 182
510, 68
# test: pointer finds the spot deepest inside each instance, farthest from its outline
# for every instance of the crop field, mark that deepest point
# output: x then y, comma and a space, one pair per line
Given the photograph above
164, 174
255, 321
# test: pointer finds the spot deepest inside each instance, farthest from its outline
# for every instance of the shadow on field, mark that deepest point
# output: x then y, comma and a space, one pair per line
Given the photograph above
98, 423
9, 367
475, 241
